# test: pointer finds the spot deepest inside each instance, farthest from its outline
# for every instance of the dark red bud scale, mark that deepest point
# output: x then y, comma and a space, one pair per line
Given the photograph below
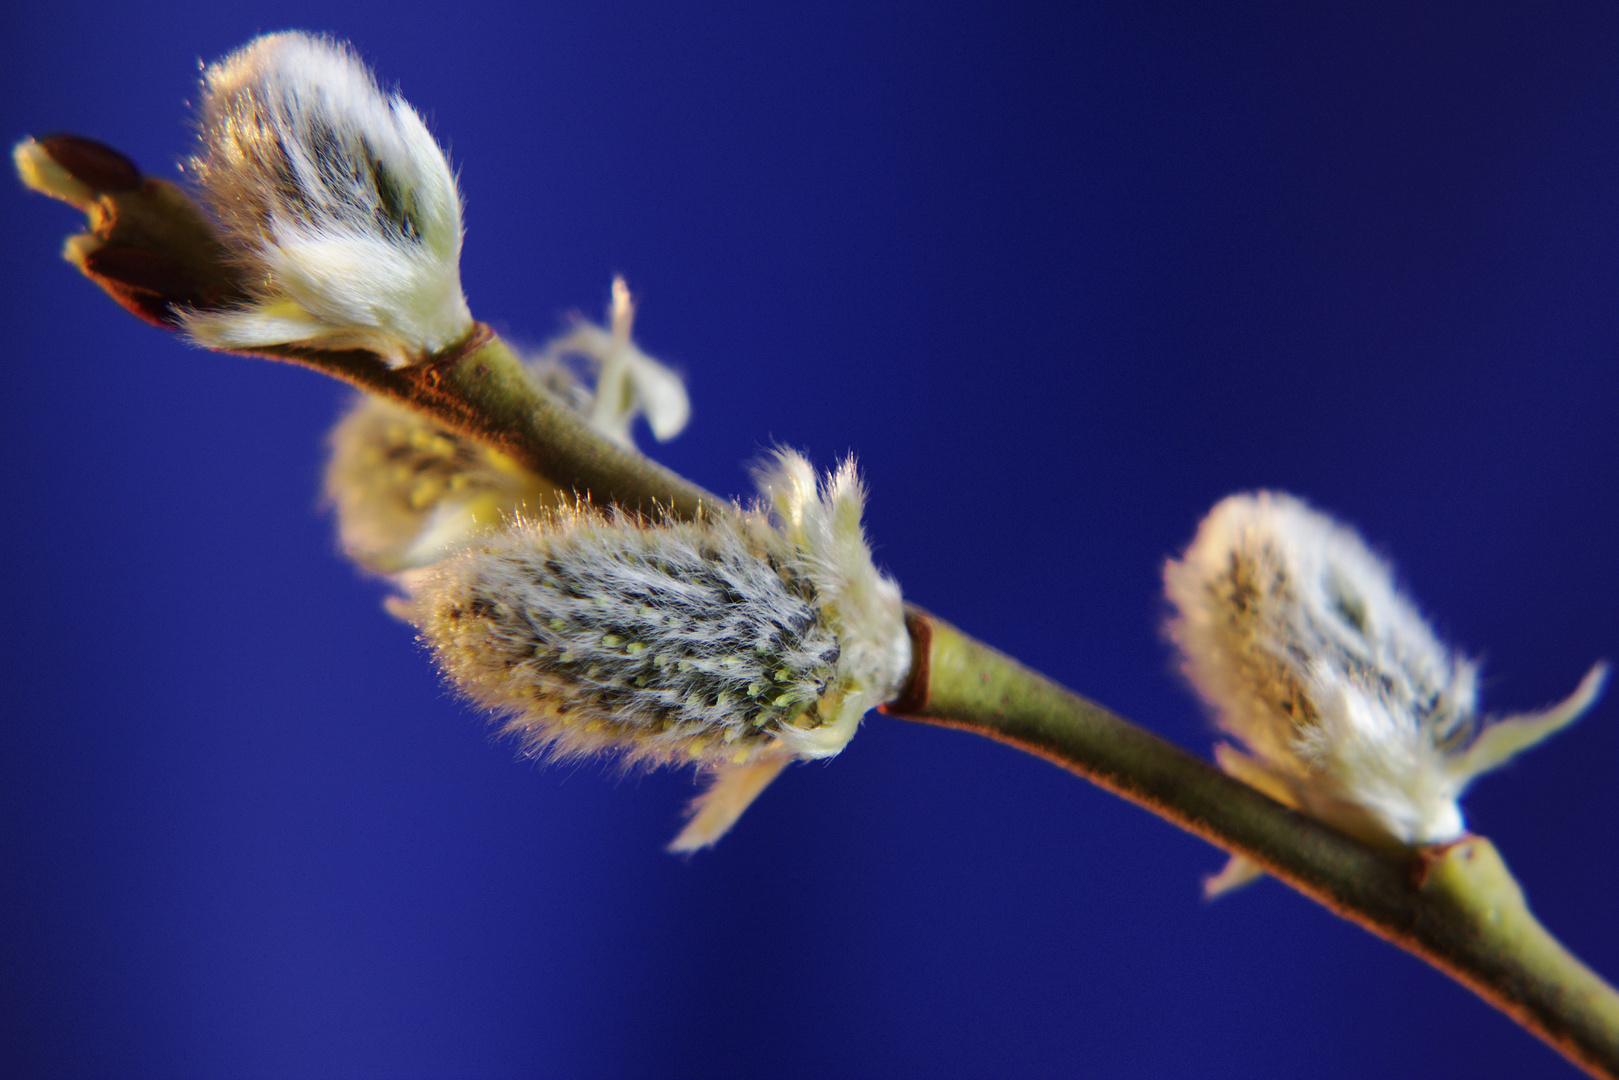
141, 270
98, 167
147, 285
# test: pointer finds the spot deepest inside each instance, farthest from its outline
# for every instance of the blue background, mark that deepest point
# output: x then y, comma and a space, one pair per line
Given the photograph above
1062, 276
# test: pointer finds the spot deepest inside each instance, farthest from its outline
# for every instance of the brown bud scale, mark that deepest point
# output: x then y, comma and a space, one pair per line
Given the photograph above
99, 167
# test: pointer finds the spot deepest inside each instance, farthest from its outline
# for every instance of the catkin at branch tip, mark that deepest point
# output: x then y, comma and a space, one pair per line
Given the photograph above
335, 199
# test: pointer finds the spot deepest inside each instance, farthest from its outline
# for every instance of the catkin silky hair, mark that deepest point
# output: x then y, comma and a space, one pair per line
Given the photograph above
1344, 701
335, 199
738, 643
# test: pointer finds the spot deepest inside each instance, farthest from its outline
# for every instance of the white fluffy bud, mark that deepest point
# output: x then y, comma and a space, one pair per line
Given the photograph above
336, 200
1348, 706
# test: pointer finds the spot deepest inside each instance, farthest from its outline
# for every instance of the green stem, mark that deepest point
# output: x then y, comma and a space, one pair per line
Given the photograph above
1456, 906
480, 389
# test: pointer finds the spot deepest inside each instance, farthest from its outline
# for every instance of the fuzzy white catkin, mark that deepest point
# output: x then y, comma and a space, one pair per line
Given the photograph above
737, 644
1346, 703
335, 199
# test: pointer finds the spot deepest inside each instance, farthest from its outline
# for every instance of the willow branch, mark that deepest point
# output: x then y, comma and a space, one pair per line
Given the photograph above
480, 389
1455, 906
